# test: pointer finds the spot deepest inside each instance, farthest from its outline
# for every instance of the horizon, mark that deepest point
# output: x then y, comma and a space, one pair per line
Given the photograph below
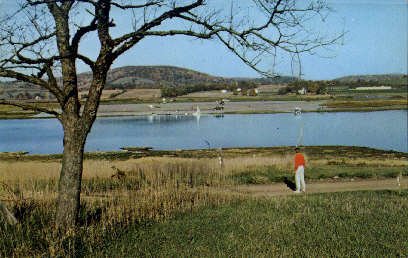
234, 77
283, 75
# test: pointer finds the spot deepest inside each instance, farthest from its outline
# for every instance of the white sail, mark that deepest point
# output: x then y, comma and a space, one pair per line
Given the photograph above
197, 112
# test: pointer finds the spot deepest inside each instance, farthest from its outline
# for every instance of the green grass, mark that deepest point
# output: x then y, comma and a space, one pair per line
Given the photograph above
272, 174
365, 223
367, 103
368, 224
12, 112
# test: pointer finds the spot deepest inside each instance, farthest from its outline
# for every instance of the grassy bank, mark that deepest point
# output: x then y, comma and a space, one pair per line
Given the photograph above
362, 224
124, 192
11, 112
367, 224
313, 152
373, 104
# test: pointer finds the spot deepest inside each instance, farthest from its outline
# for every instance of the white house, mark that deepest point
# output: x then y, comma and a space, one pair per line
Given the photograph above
302, 91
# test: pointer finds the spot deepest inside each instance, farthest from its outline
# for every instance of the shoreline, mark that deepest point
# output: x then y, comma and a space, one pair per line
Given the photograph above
207, 108
314, 150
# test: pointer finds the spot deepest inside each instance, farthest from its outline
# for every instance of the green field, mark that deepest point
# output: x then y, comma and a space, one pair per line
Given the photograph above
363, 224
368, 224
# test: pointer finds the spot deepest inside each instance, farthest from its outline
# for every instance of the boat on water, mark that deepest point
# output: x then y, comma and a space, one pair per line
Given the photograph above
297, 111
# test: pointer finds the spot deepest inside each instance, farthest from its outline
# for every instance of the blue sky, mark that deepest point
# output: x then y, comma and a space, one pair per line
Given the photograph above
376, 40
375, 43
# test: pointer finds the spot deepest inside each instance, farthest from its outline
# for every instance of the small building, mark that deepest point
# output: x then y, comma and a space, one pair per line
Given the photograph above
224, 91
302, 91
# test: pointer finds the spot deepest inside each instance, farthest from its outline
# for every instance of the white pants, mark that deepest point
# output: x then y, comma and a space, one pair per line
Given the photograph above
300, 179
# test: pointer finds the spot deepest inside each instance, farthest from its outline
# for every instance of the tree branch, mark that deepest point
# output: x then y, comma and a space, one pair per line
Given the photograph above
70, 103
130, 39
124, 7
34, 42
31, 107
190, 33
81, 32
102, 11
86, 60
68, 3
32, 79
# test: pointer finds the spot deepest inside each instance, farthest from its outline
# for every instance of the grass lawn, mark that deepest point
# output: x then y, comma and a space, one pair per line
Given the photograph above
271, 174
369, 224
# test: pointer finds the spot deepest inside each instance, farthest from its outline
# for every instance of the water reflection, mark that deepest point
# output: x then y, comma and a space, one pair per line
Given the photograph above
152, 119
383, 129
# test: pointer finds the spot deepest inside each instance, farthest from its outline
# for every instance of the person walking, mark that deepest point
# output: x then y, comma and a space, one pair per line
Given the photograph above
300, 165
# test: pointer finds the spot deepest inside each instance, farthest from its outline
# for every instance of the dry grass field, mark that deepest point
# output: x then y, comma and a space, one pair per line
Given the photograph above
209, 94
111, 177
142, 94
270, 89
129, 94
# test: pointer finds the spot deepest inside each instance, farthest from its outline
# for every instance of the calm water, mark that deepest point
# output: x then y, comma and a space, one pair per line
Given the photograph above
383, 129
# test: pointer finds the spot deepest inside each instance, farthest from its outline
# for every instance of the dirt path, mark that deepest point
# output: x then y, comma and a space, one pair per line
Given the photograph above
279, 189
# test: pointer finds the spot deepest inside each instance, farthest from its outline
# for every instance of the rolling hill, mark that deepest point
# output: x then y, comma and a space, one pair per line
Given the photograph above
130, 77
137, 77
156, 77
382, 79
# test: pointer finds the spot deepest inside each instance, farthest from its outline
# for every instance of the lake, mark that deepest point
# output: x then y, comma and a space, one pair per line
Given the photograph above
381, 129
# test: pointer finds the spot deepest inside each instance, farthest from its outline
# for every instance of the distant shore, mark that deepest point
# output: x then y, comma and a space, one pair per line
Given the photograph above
233, 107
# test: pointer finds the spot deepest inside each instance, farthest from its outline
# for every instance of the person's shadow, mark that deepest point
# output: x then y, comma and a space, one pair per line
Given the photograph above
289, 184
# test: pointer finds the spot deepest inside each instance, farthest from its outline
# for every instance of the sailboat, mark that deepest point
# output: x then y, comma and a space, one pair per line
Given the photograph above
197, 112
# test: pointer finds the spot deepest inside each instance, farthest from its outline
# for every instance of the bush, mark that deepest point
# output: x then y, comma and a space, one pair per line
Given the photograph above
284, 90
252, 92
314, 87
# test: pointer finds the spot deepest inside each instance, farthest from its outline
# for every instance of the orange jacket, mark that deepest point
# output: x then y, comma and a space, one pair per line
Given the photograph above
299, 160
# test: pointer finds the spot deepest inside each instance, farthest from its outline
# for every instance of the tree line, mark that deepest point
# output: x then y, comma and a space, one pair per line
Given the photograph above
314, 87
174, 91
323, 87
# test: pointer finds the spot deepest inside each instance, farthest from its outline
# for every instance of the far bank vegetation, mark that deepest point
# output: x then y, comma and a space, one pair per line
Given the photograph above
382, 82
237, 87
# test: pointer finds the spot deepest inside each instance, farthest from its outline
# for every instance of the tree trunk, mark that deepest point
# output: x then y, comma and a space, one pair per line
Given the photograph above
69, 187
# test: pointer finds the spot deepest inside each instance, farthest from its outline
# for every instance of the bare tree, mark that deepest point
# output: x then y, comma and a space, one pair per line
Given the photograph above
40, 44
